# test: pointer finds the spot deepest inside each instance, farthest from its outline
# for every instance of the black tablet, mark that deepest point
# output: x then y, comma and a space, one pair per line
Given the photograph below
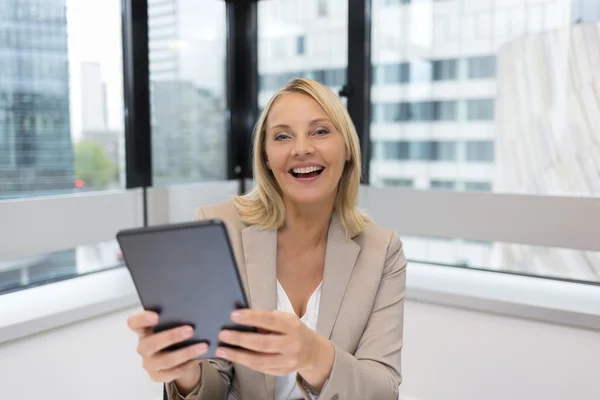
187, 273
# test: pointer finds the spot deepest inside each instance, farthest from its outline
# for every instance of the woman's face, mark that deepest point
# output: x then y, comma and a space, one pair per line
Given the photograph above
304, 150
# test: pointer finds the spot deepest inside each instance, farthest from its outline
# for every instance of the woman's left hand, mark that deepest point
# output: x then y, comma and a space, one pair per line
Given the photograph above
287, 346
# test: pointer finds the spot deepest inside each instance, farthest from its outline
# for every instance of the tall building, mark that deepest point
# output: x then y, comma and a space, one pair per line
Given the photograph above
36, 155
35, 142
187, 74
93, 98
187, 134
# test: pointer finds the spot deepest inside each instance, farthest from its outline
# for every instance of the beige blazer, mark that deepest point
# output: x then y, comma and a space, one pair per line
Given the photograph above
361, 311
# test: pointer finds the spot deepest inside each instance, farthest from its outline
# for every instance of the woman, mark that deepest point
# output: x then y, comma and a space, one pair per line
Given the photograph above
325, 284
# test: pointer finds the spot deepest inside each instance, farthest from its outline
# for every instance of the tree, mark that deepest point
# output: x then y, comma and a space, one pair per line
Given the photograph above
93, 166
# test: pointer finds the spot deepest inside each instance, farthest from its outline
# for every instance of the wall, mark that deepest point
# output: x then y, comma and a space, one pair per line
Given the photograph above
453, 354
91, 360
449, 354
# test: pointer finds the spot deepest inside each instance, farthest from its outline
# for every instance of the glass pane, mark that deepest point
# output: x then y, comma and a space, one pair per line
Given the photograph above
61, 101
187, 42
297, 39
511, 84
506, 257
45, 268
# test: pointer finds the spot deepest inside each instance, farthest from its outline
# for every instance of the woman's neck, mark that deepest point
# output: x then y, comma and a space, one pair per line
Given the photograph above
307, 225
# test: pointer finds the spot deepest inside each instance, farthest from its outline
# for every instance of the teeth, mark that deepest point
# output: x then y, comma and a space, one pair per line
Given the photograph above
306, 170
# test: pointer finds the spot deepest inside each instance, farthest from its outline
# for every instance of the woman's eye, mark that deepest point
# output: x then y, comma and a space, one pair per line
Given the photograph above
281, 136
321, 132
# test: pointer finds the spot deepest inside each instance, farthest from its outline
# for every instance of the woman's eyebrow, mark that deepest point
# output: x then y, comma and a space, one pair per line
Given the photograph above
311, 123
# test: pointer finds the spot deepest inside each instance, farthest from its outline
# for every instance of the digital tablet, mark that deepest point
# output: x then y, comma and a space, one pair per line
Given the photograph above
186, 273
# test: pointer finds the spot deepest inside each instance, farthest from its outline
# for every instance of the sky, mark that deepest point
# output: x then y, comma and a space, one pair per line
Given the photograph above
94, 35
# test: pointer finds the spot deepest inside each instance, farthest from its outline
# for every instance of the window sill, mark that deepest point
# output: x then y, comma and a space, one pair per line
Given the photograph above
546, 300
42, 308
30, 311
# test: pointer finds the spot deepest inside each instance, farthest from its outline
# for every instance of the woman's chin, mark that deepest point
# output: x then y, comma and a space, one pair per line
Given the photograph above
309, 198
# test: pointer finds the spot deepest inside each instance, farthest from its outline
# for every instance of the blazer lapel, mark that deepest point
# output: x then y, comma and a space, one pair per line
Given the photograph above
260, 256
340, 258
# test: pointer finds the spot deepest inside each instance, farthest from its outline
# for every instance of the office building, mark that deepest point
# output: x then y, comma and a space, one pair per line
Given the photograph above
187, 74
35, 142
187, 133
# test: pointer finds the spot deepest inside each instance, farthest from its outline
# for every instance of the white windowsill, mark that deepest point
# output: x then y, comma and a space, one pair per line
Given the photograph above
46, 307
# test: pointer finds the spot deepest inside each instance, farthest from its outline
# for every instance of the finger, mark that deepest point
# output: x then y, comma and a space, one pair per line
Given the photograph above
257, 361
140, 322
171, 359
273, 321
262, 343
171, 374
154, 343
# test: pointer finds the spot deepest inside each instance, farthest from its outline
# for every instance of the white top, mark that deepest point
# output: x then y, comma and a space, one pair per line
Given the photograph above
285, 386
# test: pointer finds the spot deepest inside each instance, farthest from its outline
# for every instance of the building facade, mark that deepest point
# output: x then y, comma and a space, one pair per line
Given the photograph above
187, 74
35, 143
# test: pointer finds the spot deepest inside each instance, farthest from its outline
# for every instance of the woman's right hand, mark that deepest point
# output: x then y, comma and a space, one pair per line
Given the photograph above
177, 365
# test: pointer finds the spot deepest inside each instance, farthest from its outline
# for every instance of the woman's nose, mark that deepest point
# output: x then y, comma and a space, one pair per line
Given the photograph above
303, 147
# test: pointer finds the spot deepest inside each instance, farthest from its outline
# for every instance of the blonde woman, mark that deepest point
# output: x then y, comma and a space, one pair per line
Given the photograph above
325, 284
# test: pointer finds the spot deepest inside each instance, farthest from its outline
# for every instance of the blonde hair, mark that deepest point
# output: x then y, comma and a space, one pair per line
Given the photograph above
264, 205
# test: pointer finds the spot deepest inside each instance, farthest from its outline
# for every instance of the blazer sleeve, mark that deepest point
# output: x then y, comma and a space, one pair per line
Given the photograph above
216, 374
374, 371
215, 383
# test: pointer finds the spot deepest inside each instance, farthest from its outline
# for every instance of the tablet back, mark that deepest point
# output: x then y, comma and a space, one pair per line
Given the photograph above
188, 274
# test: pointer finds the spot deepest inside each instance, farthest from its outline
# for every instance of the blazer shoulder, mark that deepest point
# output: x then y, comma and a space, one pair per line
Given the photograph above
376, 236
225, 211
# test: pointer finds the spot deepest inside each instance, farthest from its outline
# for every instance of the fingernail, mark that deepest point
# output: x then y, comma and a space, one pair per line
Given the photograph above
221, 353
236, 315
187, 332
151, 318
201, 349
225, 334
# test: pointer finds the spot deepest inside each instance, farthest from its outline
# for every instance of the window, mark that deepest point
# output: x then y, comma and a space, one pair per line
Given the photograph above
416, 112
442, 185
391, 73
480, 151
329, 47
482, 67
444, 70
187, 93
445, 110
300, 45
399, 183
322, 8
478, 186
49, 144
61, 118
419, 150
396, 150
480, 109
443, 151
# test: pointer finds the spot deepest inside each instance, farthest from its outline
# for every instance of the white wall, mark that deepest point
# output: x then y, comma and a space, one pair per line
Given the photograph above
91, 360
449, 354
453, 354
